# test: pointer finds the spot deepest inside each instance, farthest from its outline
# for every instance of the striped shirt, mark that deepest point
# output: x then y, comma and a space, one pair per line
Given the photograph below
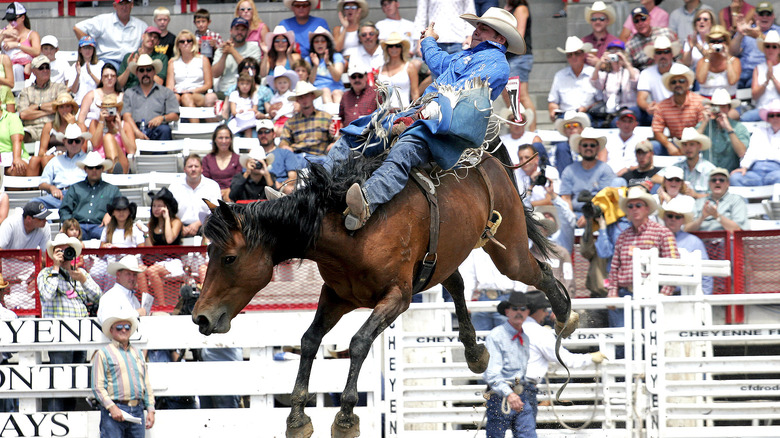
120, 373
307, 134
678, 117
649, 235
54, 290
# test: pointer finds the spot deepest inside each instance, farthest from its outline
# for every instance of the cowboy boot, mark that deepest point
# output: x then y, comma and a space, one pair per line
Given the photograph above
358, 208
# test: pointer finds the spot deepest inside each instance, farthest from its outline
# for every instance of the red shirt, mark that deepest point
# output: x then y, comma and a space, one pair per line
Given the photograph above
354, 106
648, 235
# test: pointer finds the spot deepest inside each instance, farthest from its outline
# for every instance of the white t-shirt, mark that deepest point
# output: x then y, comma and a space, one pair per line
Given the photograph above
621, 154
119, 240
288, 107
12, 235
650, 80
115, 300
402, 26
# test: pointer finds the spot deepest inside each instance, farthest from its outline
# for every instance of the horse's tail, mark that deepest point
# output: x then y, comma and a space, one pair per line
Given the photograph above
545, 246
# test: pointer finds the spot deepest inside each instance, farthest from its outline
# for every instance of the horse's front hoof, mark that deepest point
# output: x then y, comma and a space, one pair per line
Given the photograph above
345, 426
299, 427
567, 328
479, 364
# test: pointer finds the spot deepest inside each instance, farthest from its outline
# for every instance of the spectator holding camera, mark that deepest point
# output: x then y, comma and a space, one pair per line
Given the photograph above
616, 79
718, 69
729, 137
251, 184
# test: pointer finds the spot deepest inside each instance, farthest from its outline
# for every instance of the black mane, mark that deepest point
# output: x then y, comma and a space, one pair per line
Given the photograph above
291, 225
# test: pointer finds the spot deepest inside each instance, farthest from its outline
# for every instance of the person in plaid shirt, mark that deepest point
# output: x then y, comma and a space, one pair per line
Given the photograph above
645, 34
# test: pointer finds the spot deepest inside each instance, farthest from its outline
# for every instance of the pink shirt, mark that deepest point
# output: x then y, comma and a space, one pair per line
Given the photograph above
658, 18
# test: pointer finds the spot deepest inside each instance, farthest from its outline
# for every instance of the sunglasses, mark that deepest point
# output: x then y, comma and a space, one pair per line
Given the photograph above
516, 308
144, 69
771, 46
74, 140
577, 53
772, 115
589, 145
244, 9
357, 76
594, 19
675, 180
673, 216
765, 14
633, 205
394, 46
678, 81
302, 5
367, 34
281, 40
185, 41
350, 7
639, 19
663, 51
264, 131
717, 41
702, 19
122, 327
44, 67
717, 180
572, 125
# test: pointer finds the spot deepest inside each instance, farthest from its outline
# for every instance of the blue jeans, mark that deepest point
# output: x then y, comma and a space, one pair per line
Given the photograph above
521, 66
751, 116
761, 173
486, 321
391, 177
522, 424
745, 78
50, 201
483, 5
91, 231
616, 317
110, 428
218, 401
161, 132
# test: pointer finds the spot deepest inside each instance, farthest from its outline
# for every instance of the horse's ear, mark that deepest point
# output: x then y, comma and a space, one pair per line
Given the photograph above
230, 218
210, 204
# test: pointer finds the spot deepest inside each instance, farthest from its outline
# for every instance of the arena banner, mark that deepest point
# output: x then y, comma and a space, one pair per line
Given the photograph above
48, 424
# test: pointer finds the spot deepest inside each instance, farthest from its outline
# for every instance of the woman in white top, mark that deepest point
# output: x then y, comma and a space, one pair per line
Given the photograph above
90, 106
697, 41
189, 73
766, 76
351, 13
88, 69
121, 232
718, 69
398, 72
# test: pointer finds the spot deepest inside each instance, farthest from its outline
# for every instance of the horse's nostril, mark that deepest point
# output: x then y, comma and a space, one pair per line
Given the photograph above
202, 321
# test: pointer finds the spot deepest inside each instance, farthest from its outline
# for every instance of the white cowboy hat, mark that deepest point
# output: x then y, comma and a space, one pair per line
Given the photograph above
722, 97
256, 153
661, 43
279, 70
571, 116
362, 4
129, 262
279, 30
771, 37
93, 159
574, 44
126, 314
289, 3
304, 88
242, 121
677, 70
590, 134
72, 131
145, 61
691, 134
63, 239
600, 7
324, 32
772, 107
670, 172
679, 204
503, 22
640, 193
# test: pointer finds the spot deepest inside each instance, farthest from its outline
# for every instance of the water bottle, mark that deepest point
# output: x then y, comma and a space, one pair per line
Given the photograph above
143, 126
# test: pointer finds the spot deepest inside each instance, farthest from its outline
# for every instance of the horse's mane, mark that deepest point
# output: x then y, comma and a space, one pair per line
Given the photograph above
291, 225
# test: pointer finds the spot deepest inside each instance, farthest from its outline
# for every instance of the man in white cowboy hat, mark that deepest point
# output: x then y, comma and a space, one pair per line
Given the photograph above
600, 16
681, 19
644, 36
590, 174
116, 33
745, 42
120, 380
682, 110
676, 214
571, 88
149, 104
395, 23
719, 209
650, 87
643, 233
360, 99
251, 184
308, 132
368, 52
729, 137
302, 22
35, 101
232, 52
61, 171
644, 171
149, 40
761, 163
87, 200
571, 123
695, 168
122, 296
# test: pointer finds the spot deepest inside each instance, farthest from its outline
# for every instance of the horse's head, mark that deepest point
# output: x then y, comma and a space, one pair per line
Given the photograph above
235, 273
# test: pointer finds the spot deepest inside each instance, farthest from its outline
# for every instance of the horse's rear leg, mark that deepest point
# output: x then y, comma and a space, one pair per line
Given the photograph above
559, 299
329, 312
477, 355
347, 424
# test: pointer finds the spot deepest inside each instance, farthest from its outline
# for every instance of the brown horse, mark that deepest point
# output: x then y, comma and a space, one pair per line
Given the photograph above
374, 267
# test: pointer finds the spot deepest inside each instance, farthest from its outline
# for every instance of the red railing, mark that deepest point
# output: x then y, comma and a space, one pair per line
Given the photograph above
20, 269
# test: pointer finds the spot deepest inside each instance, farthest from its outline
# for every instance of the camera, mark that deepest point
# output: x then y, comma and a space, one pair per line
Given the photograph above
541, 179
189, 294
717, 48
589, 209
112, 111
613, 57
69, 254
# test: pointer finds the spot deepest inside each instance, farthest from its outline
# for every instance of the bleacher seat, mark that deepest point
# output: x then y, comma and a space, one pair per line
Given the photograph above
194, 130
159, 180
204, 112
754, 196
242, 144
158, 155
25, 189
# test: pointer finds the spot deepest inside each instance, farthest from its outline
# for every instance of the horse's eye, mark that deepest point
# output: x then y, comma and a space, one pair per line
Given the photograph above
229, 260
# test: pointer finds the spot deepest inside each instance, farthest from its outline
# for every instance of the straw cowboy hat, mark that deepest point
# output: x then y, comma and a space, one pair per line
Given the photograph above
574, 44
322, 31
362, 4
772, 107
503, 22
122, 203
569, 117
396, 38
771, 37
662, 43
65, 99
590, 134
129, 262
126, 314
691, 134
722, 97
109, 101
279, 30
719, 31
63, 239
681, 205
145, 61
93, 159
677, 70
256, 153
600, 7
279, 71
515, 299
72, 131
638, 192
3, 284
304, 88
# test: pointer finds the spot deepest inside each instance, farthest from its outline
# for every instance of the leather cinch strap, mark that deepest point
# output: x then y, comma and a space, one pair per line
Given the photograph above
428, 264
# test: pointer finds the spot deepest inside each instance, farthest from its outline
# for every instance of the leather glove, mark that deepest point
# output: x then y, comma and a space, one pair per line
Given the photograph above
598, 357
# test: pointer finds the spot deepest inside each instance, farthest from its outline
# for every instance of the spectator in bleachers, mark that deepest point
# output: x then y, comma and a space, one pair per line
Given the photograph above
86, 70
308, 132
571, 123
189, 73
27, 230
397, 72
302, 23
695, 168
589, 174
369, 52
600, 16
560, 258
251, 184
571, 88
162, 18
230, 54
328, 64
281, 51
719, 209
303, 69
744, 42
622, 144
518, 135
190, 193
116, 33
645, 35
730, 138
644, 171
351, 13
7, 82
280, 108
284, 165
222, 163
761, 163
122, 296
107, 86
65, 109
87, 201
35, 101
243, 105
112, 137
263, 93
673, 186
615, 79
208, 40
360, 100
149, 103
61, 71
655, 16
738, 11
528, 176
696, 43
127, 78
650, 84
766, 83
393, 22
62, 171
676, 214
683, 109
11, 140
165, 229
257, 28
20, 42
681, 20
121, 230
718, 69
